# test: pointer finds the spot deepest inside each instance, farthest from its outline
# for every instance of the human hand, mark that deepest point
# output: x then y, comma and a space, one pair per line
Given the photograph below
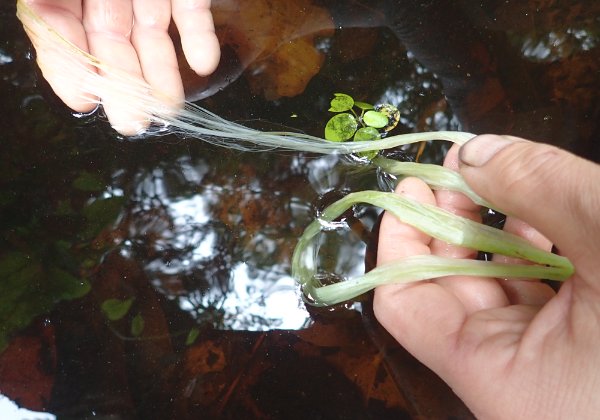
131, 35
509, 349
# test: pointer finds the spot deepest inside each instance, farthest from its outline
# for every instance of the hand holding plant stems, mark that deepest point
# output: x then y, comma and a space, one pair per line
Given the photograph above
449, 227
509, 349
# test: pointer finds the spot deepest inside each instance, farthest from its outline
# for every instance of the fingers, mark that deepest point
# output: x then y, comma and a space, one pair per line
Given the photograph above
108, 24
550, 189
475, 293
66, 17
525, 291
132, 37
155, 48
458, 204
398, 240
423, 317
196, 28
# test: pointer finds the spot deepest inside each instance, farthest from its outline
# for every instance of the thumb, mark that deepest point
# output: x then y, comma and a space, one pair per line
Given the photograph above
554, 191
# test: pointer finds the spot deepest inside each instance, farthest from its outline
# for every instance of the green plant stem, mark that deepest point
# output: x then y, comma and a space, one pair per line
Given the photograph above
437, 177
435, 222
423, 267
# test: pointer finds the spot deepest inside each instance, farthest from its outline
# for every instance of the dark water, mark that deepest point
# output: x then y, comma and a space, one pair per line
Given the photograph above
198, 238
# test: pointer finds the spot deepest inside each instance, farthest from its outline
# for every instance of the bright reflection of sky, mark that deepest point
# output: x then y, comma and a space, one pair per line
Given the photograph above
556, 45
277, 302
257, 300
257, 297
10, 411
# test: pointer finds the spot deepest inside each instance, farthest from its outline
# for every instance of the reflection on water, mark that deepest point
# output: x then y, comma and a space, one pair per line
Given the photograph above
10, 410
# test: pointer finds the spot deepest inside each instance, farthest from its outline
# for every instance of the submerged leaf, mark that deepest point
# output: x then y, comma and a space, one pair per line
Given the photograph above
435, 222
341, 127
192, 336
88, 182
274, 41
115, 309
30, 288
101, 213
70, 286
137, 325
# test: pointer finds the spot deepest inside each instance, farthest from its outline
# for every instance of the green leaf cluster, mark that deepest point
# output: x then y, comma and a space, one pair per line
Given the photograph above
30, 288
359, 121
36, 275
116, 309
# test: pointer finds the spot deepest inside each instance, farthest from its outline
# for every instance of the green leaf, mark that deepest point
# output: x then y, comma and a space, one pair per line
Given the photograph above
341, 127
392, 114
101, 213
137, 325
192, 336
115, 309
71, 287
13, 262
88, 182
375, 119
341, 102
363, 105
367, 133
30, 287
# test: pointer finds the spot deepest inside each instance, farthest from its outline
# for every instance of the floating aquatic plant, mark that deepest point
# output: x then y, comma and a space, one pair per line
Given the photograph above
371, 123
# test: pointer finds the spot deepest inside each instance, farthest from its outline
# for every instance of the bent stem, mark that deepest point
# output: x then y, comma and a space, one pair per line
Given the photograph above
437, 177
436, 223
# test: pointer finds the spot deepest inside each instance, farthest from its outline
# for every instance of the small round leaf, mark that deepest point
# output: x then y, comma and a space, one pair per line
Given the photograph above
341, 102
367, 133
392, 113
341, 127
375, 119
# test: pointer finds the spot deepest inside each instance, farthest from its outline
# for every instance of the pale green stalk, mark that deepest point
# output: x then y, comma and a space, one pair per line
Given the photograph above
423, 267
436, 176
434, 222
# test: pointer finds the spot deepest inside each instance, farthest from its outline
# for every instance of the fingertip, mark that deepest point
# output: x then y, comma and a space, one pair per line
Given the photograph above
197, 30
416, 189
480, 149
451, 161
203, 52
124, 117
398, 240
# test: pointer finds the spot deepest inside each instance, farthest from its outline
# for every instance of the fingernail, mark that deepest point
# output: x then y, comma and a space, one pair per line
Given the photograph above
479, 150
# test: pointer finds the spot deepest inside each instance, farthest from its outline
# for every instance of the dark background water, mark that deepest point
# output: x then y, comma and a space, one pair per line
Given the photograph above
199, 237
